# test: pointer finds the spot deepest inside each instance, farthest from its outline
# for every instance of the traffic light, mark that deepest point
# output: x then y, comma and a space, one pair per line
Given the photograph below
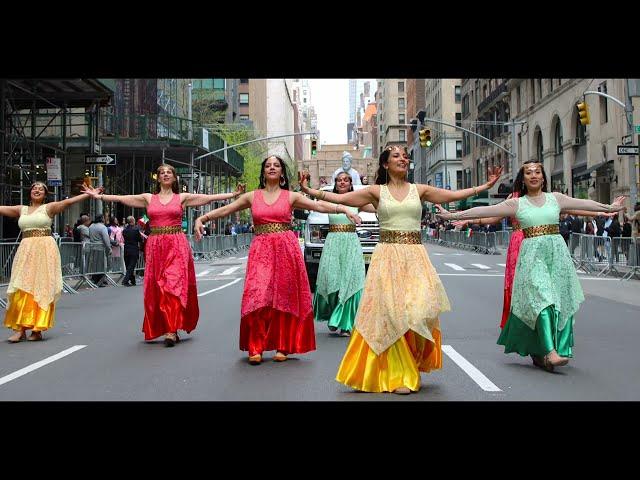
583, 113
314, 147
425, 137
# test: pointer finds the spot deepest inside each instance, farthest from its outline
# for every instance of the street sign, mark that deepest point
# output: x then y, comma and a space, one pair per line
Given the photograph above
97, 159
627, 139
628, 149
188, 175
54, 172
637, 128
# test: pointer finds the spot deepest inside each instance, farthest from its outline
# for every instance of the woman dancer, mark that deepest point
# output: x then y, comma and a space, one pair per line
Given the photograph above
276, 312
397, 330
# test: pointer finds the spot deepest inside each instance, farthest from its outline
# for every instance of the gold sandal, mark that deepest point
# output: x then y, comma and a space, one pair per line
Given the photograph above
35, 337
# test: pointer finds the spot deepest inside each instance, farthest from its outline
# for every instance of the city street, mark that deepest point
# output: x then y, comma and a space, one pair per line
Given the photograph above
96, 350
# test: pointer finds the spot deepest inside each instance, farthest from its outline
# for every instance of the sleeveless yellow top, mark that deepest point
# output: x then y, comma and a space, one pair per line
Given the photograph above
38, 219
404, 215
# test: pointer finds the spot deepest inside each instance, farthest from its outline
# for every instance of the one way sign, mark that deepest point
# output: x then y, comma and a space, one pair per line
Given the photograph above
100, 159
628, 149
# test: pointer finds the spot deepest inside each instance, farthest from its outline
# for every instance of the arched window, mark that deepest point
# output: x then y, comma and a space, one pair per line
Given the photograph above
539, 150
558, 138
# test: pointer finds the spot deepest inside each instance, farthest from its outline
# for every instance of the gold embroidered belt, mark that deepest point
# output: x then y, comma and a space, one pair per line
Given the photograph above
541, 230
394, 236
271, 228
515, 228
166, 230
36, 232
345, 227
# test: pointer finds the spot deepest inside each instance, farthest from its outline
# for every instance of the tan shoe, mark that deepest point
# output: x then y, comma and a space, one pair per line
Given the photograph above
19, 336
255, 359
402, 391
280, 357
35, 336
554, 359
170, 339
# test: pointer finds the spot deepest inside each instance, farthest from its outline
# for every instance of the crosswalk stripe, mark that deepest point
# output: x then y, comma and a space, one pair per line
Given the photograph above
230, 270
454, 266
480, 266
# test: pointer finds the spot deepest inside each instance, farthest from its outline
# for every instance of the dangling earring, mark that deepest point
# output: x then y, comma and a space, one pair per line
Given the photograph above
282, 181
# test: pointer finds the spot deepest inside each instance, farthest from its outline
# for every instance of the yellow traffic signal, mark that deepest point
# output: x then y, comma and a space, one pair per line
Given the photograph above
425, 137
314, 147
583, 113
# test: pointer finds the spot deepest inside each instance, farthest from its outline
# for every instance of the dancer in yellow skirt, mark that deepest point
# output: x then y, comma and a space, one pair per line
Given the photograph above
397, 330
36, 275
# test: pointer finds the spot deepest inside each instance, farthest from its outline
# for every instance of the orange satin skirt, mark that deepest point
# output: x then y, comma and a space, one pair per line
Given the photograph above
398, 366
24, 312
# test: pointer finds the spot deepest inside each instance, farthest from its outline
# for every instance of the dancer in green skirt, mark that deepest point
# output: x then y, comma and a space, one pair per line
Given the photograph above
341, 271
546, 291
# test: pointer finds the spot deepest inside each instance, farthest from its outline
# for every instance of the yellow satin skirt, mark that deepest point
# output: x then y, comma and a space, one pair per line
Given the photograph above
24, 312
398, 366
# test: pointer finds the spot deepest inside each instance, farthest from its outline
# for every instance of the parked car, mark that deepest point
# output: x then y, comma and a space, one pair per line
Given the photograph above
317, 228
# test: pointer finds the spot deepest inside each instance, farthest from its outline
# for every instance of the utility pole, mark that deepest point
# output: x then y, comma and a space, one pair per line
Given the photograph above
446, 172
628, 109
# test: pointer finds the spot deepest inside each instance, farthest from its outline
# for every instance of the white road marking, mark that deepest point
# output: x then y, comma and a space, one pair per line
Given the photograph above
501, 264
243, 258
41, 363
454, 266
475, 374
220, 288
481, 266
230, 270
203, 273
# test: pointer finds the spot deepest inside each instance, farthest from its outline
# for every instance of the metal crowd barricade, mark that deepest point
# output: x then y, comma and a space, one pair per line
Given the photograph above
7, 253
72, 263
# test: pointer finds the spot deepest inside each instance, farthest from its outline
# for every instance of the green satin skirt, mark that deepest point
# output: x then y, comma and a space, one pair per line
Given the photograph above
520, 338
340, 316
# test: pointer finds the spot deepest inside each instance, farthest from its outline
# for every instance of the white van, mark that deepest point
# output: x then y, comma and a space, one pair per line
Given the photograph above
317, 228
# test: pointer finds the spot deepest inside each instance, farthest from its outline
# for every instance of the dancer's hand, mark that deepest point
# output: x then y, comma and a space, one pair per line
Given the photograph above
198, 230
240, 189
619, 202
460, 223
494, 176
355, 218
303, 178
92, 192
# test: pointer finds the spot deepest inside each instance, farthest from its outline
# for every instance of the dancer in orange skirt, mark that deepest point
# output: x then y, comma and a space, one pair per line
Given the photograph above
36, 273
397, 329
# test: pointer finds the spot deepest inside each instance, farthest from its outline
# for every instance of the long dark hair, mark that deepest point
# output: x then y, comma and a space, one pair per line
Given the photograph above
382, 174
335, 184
518, 184
46, 191
174, 185
263, 182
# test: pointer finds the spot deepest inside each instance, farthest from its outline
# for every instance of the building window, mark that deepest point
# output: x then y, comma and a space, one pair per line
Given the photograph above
550, 85
458, 119
558, 137
244, 80
581, 132
604, 115
539, 152
400, 87
518, 105
244, 99
458, 149
218, 83
402, 135
244, 117
539, 88
400, 102
459, 179
533, 91
465, 105
207, 83
401, 118
458, 93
